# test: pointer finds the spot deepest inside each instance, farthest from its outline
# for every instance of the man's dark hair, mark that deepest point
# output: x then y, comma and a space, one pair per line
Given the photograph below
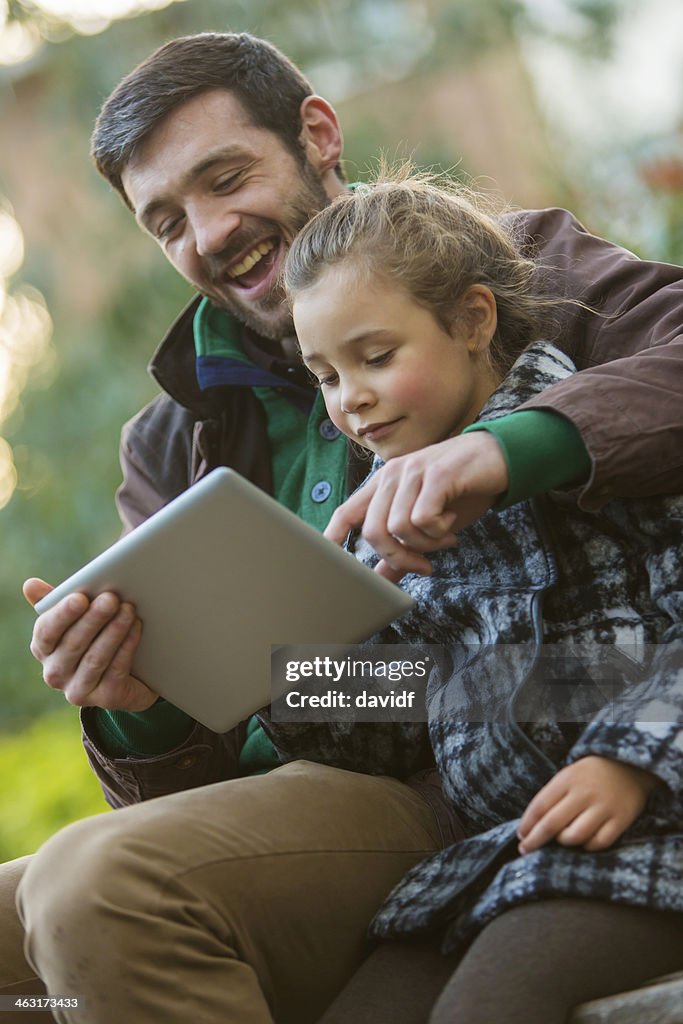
267, 84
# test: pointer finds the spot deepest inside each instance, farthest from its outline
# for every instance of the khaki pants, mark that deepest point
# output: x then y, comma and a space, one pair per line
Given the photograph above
245, 902
17, 977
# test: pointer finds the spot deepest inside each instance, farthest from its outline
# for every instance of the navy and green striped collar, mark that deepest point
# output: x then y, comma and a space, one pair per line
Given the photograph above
222, 362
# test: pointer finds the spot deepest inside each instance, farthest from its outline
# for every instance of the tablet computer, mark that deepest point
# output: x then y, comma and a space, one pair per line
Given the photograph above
220, 575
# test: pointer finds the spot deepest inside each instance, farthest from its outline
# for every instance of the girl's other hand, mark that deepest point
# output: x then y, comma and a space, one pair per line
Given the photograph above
590, 803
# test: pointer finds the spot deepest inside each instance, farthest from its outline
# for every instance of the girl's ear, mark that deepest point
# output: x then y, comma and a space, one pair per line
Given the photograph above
478, 318
322, 140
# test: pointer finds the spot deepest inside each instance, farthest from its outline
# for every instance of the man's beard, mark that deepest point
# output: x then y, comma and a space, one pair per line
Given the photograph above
309, 200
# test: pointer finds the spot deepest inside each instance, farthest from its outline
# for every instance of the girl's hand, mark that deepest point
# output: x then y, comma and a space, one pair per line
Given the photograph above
589, 803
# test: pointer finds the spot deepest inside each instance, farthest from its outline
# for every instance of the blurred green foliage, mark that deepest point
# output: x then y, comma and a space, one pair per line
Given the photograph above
47, 783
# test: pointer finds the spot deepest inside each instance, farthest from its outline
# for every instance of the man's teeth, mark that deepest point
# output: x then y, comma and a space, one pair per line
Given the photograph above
251, 259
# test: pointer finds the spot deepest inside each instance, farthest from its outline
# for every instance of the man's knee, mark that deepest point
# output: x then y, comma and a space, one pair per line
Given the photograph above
84, 873
15, 973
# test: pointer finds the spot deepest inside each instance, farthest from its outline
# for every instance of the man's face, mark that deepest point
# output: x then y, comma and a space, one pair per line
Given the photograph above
224, 200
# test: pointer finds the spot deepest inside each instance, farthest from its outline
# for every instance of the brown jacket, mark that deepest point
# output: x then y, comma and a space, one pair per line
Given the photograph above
627, 404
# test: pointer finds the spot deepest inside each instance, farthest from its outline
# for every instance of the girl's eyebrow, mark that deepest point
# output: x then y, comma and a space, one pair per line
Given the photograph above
369, 335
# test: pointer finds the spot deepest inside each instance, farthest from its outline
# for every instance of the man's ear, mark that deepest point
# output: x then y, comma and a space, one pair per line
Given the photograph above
478, 317
322, 139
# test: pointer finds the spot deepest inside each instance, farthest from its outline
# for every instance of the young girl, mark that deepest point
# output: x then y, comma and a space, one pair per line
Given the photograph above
415, 311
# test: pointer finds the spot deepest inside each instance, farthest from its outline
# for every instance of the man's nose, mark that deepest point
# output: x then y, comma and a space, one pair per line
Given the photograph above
212, 229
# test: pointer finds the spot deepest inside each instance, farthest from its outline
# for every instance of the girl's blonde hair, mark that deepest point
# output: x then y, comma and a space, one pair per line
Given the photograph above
435, 238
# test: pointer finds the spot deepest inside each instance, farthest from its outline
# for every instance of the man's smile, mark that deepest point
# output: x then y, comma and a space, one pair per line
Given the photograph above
254, 256
253, 273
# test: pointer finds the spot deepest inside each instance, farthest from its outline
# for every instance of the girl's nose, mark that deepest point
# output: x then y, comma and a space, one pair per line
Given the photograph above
354, 396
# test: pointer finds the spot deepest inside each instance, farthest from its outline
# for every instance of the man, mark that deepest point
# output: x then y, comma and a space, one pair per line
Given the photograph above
239, 898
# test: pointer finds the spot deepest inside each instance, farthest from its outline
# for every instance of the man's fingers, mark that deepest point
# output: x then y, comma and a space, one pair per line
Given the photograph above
34, 590
392, 507
435, 526
96, 659
427, 545
398, 511
430, 512
393, 575
77, 653
437, 536
52, 626
87, 649
403, 562
69, 628
377, 511
349, 515
122, 662
420, 497
116, 688
337, 530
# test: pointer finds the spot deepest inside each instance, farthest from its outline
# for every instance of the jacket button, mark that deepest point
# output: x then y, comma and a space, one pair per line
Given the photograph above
321, 491
188, 761
328, 430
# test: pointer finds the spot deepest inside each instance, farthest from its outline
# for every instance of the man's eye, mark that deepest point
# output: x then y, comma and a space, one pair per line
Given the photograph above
167, 228
381, 359
226, 182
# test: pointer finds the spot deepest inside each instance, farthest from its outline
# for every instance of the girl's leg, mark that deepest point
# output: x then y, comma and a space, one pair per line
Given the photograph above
536, 962
398, 983
531, 965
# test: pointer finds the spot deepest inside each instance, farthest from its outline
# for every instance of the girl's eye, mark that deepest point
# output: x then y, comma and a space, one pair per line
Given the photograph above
381, 359
330, 379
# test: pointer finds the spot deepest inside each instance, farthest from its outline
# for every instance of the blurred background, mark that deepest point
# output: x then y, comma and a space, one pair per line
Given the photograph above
552, 102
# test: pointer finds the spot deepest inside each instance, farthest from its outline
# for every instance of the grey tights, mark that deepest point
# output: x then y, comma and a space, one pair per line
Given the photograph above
531, 965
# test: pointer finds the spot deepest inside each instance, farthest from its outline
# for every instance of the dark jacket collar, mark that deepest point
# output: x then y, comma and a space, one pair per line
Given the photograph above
173, 365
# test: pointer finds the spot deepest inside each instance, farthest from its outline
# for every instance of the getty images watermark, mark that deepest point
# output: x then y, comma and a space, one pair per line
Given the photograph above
476, 682
326, 682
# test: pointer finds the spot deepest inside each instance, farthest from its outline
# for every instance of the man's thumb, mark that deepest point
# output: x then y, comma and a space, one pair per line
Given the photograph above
35, 589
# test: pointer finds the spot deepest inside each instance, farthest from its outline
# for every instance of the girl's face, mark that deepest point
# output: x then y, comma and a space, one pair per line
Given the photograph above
393, 379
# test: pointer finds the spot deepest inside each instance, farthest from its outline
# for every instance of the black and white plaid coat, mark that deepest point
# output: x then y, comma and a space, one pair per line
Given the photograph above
540, 573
